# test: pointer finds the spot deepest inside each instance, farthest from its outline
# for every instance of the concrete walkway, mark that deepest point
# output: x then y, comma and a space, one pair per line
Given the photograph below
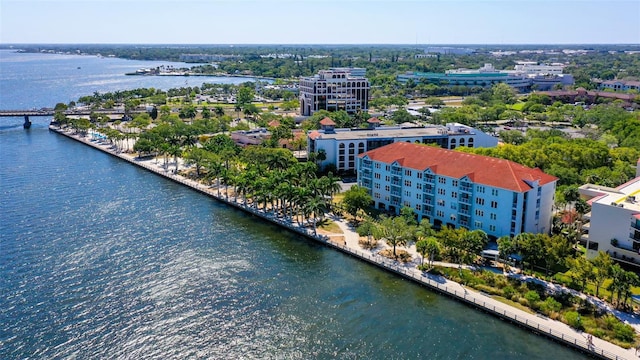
536, 321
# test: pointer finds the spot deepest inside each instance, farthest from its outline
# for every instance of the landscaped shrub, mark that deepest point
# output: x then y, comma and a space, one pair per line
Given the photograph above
523, 302
624, 332
550, 305
508, 291
609, 321
532, 296
573, 319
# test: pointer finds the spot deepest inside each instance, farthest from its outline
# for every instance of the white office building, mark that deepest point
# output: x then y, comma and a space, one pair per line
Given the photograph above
335, 89
342, 146
451, 188
613, 225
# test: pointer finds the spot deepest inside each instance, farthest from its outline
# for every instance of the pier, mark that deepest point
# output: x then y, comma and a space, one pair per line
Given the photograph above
538, 324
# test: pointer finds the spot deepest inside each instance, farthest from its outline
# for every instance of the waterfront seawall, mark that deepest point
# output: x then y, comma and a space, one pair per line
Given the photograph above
542, 326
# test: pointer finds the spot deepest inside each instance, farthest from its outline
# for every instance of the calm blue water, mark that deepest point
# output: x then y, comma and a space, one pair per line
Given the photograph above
99, 259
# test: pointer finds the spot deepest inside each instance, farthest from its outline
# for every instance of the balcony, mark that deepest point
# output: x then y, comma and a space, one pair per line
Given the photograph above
466, 188
465, 200
366, 174
464, 212
396, 193
396, 172
395, 183
429, 179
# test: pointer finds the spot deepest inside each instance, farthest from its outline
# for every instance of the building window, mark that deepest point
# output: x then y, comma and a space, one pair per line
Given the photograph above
494, 204
386, 178
442, 180
407, 183
377, 165
454, 194
376, 195
419, 196
441, 192
492, 228
387, 188
478, 224
441, 202
440, 213
480, 201
376, 176
480, 189
418, 186
494, 192
418, 207
479, 213
408, 173
493, 216
387, 168
407, 193
419, 175
376, 185
454, 183
452, 217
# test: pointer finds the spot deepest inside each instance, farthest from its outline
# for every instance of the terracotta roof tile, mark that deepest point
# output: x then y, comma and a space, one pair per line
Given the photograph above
327, 122
314, 135
480, 169
373, 120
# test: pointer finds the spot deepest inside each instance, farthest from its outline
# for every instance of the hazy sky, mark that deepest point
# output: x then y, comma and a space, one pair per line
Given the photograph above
320, 21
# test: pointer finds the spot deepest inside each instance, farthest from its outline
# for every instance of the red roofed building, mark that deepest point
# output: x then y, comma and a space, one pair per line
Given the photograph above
457, 189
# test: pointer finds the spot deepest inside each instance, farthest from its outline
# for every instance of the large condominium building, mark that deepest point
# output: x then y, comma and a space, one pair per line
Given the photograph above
613, 225
334, 89
456, 189
341, 147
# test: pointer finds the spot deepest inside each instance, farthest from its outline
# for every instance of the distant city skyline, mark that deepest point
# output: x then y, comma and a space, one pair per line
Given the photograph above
319, 22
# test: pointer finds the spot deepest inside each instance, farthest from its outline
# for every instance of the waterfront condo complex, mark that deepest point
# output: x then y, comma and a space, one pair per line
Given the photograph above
613, 225
451, 188
342, 146
335, 89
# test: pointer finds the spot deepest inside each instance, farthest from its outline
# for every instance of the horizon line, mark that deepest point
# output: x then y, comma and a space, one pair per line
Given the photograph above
319, 44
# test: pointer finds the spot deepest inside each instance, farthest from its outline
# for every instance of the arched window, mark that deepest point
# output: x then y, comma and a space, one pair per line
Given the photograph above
470, 142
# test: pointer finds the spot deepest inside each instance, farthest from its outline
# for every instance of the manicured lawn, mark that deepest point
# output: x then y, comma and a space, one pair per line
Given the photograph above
331, 227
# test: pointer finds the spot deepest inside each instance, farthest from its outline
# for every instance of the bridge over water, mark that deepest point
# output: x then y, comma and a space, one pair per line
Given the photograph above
50, 112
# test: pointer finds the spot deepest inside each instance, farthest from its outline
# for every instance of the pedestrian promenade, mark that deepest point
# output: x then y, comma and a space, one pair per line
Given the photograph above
534, 322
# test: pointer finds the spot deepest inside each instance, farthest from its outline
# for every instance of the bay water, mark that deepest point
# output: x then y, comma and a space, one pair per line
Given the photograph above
100, 259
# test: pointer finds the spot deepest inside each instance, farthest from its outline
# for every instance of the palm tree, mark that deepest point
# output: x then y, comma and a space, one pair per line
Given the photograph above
316, 207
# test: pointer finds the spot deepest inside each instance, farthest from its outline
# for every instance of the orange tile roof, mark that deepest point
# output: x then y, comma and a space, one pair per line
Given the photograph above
480, 169
373, 120
327, 122
274, 123
314, 135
